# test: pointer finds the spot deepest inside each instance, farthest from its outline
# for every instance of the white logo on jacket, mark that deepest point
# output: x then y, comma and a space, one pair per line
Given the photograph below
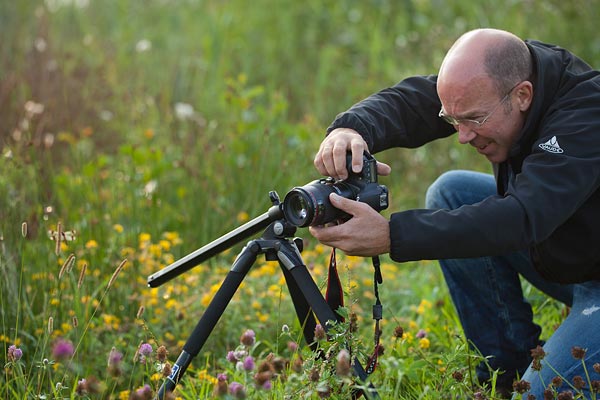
551, 146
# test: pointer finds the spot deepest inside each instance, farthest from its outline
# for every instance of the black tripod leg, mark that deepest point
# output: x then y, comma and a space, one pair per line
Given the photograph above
211, 316
301, 279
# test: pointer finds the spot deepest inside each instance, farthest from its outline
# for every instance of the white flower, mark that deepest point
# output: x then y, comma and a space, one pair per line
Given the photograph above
184, 111
143, 45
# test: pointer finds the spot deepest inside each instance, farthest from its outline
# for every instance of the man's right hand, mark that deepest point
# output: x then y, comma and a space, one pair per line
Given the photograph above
330, 160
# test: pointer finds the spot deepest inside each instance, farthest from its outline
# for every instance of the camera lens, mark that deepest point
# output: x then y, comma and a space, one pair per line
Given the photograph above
298, 207
309, 204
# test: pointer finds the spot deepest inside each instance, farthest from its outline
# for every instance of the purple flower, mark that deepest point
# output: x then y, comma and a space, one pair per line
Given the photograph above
248, 363
222, 377
14, 353
292, 346
143, 392
237, 390
248, 338
421, 334
115, 357
231, 356
63, 349
145, 349
267, 385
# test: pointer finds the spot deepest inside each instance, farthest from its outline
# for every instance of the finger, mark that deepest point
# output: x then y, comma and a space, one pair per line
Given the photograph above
339, 159
358, 148
383, 169
327, 160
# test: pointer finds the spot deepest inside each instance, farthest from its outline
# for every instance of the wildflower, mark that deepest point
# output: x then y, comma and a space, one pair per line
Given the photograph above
248, 338
237, 390
398, 332
267, 385
221, 386
566, 395
14, 353
538, 353
166, 371
285, 328
118, 228
279, 363
145, 349
231, 356
424, 343
595, 384
578, 353
319, 333
292, 346
143, 393
248, 363
91, 244
297, 365
557, 381
521, 386
421, 334
578, 382
161, 354
548, 394
343, 363
597, 367
81, 388
63, 349
261, 378
114, 362
458, 376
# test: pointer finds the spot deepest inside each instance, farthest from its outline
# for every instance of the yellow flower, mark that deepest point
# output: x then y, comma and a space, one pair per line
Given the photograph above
424, 343
425, 305
243, 216
124, 395
205, 376
118, 228
144, 237
91, 244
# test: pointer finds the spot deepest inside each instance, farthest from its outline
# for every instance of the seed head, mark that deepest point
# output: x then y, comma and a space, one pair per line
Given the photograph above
248, 338
578, 353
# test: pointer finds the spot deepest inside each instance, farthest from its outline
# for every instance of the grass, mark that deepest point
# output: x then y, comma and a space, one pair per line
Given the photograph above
147, 129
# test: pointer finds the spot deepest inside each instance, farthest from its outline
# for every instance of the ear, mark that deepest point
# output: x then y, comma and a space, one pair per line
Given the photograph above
524, 92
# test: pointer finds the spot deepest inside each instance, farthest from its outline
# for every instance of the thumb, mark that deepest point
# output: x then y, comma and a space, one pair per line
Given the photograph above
342, 203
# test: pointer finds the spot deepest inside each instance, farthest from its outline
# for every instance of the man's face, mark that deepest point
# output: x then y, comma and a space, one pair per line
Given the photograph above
488, 121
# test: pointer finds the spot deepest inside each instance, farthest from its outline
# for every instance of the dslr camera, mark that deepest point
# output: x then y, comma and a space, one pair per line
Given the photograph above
309, 205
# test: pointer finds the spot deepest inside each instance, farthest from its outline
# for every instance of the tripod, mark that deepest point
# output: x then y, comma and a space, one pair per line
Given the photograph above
276, 245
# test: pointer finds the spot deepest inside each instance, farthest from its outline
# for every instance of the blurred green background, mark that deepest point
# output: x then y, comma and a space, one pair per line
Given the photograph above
122, 120
180, 114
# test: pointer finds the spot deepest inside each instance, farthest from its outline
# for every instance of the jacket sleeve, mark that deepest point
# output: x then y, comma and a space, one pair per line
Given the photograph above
438, 234
405, 115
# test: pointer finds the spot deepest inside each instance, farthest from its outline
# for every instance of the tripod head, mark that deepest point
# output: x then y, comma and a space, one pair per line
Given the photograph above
223, 243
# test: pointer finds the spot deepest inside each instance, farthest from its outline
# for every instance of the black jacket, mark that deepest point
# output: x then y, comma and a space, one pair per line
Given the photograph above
548, 197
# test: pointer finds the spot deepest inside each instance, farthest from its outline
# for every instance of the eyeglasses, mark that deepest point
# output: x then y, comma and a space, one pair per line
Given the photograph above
473, 122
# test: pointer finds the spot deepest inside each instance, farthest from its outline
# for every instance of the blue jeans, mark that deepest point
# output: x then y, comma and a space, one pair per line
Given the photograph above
494, 314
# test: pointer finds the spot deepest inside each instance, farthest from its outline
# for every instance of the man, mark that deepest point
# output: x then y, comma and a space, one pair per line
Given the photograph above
533, 110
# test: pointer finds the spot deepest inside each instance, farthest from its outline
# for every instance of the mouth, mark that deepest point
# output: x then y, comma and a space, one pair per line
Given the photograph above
481, 146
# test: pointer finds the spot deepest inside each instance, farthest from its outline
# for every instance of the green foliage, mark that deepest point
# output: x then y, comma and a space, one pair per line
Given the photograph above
142, 130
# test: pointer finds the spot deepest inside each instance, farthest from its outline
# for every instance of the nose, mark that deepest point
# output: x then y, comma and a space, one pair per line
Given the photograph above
465, 134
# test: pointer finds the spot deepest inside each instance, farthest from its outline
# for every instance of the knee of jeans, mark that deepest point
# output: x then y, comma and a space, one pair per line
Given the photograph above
437, 193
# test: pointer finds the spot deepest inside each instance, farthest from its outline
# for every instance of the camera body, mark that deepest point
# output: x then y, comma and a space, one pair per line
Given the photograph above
309, 205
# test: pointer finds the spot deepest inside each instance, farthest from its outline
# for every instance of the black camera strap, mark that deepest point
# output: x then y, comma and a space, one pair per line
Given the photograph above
335, 298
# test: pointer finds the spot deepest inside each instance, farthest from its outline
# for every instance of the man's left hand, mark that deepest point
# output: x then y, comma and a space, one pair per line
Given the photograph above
366, 233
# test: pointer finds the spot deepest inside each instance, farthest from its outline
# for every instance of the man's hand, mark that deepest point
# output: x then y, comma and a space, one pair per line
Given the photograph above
330, 160
366, 234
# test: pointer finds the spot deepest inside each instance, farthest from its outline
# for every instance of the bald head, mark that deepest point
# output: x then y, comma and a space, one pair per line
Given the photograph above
484, 54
